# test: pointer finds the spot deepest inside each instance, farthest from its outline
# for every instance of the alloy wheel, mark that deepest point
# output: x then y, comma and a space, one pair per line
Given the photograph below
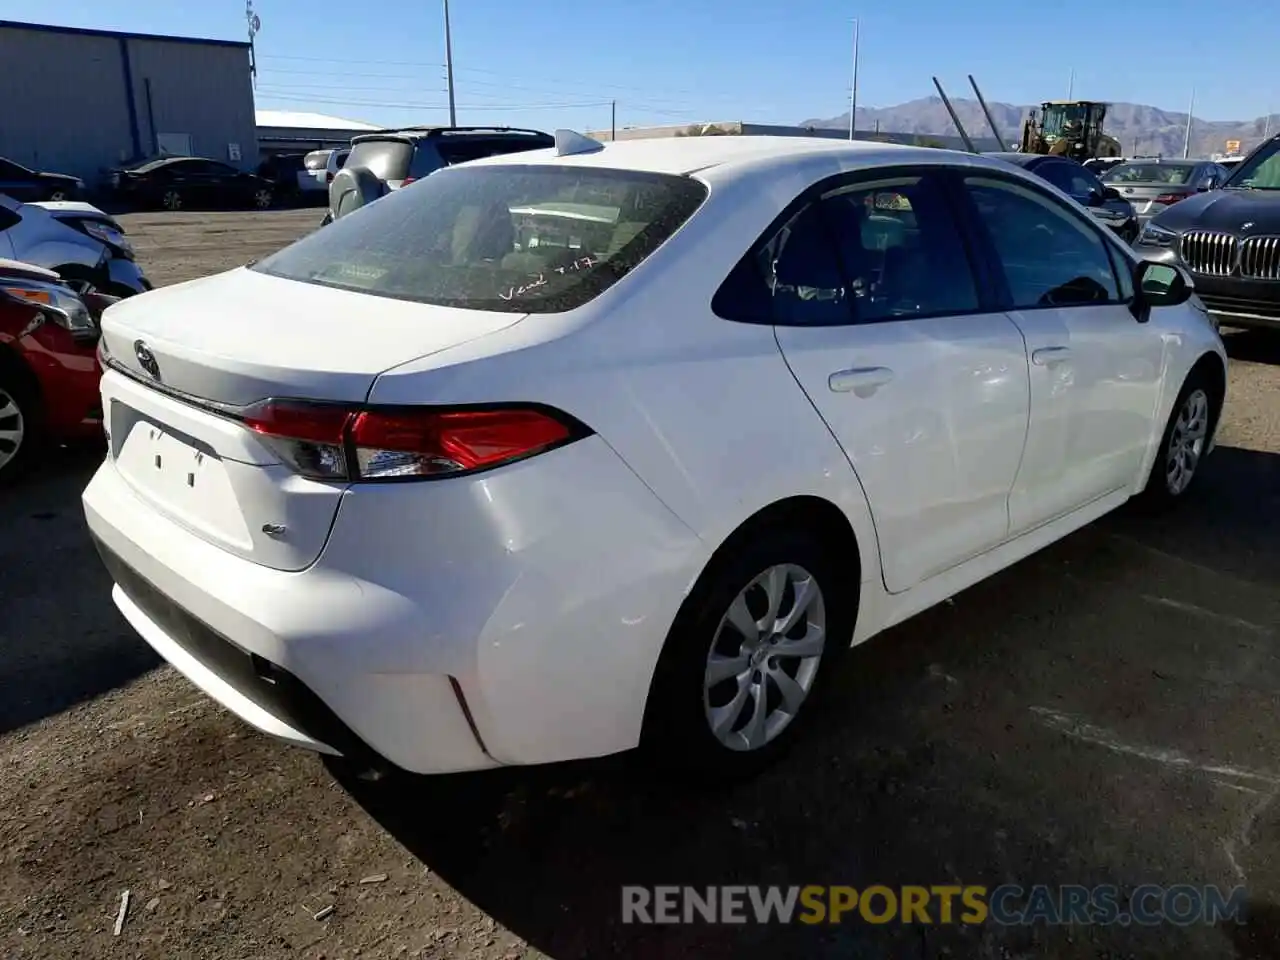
12, 428
1187, 441
764, 657
57, 196
262, 199
173, 200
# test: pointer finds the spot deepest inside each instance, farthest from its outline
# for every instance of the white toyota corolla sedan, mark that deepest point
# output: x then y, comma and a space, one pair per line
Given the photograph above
554, 455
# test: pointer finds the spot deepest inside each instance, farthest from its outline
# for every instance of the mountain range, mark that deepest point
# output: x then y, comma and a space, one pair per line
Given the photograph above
1141, 129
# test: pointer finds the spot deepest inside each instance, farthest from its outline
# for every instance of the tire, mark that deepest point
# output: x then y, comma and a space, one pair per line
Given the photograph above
328, 219
171, 200
263, 198
56, 196
19, 428
1182, 447
683, 699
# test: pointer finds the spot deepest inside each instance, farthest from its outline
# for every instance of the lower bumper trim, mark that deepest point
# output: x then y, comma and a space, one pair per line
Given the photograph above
265, 684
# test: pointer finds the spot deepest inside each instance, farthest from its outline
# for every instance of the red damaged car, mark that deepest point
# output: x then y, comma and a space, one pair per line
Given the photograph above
48, 362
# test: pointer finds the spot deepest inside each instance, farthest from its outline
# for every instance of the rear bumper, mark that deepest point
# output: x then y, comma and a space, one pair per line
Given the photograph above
496, 620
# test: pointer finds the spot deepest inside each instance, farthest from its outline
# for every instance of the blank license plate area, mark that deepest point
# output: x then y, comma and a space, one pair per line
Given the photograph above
181, 475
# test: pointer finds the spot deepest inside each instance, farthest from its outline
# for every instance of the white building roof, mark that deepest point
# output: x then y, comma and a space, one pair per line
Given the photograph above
294, 120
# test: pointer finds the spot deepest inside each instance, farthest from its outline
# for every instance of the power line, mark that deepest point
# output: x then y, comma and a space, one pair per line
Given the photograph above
457, 69
432, 106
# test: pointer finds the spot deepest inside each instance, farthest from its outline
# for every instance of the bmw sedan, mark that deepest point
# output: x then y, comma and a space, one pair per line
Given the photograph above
1152, 186
560, 454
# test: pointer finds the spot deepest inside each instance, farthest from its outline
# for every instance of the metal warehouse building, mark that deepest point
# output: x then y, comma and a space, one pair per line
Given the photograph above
80, 101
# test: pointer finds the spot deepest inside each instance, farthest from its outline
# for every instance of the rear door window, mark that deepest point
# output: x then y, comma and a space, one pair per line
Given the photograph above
385, 159
523, 239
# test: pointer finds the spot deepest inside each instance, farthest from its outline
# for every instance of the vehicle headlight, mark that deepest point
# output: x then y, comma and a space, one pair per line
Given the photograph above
56, 303
108, 235
1154, 236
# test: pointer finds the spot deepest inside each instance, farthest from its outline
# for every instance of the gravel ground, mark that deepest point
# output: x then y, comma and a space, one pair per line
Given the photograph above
1102, 713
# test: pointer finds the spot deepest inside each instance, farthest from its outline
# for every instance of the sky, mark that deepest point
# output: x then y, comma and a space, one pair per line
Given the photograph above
562, 64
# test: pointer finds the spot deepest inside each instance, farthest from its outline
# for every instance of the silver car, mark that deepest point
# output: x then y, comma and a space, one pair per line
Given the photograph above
1152, 186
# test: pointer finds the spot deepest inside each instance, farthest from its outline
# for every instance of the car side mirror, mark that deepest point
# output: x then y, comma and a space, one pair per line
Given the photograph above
1212, 183
1161, 285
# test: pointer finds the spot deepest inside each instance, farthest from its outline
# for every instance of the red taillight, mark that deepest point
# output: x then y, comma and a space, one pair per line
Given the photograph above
319, 440
407, 180
1170, 197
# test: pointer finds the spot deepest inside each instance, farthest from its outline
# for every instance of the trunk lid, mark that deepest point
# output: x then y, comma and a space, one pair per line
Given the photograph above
229, 341
240, 337
1142, 195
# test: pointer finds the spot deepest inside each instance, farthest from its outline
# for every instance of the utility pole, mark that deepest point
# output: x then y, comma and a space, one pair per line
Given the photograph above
613, 119
853, 89
255, 24
448, 64
1191, 109
1071, 84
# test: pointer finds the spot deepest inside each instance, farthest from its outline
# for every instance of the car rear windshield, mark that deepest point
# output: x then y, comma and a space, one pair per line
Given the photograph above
520, 239
317, 159
386, 159
1172, 173
460, 150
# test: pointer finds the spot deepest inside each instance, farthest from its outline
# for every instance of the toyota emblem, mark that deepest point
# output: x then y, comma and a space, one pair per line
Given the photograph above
146, 359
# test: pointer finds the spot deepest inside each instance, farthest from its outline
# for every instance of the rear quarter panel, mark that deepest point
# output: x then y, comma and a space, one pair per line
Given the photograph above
702, 409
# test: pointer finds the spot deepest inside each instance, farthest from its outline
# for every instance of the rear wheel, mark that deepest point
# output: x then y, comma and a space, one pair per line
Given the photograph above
171, 200
17, 428
263, 198
58, 195
748, 655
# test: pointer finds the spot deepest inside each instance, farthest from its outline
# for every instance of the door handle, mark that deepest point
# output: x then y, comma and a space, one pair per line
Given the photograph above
862, 381
1048, 356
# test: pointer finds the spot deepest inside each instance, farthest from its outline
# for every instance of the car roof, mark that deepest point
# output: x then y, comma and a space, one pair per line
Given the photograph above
1021, 159
414, 134
685, 155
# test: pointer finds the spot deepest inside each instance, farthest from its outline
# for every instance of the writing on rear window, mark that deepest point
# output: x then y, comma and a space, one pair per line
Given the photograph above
528, 238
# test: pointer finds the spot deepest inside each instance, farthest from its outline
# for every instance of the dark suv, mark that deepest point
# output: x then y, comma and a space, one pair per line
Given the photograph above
1230, 241
396, 158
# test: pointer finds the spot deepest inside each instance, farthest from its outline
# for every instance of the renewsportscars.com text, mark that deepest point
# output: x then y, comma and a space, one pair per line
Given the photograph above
1009, 904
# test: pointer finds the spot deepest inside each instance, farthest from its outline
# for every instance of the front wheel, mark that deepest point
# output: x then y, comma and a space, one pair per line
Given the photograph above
1184, 444
57, 196
748, 655
172, 200
262, 198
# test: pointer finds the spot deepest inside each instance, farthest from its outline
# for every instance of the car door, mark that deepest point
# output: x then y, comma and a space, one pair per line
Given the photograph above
1095, 370
223, 185
921, 380
183, 176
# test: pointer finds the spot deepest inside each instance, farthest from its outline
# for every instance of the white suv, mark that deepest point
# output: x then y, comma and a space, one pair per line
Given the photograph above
319, 167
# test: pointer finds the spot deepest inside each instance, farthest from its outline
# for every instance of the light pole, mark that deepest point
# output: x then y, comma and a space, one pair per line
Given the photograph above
448, 65
1191, 109
853, 87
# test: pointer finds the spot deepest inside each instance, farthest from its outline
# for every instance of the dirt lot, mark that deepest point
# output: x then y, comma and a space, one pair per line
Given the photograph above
1103, 713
